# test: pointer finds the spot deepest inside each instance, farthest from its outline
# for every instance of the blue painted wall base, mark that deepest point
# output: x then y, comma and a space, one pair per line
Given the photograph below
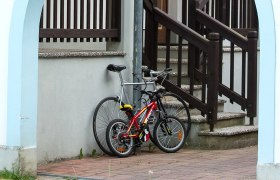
268, 171
18, 159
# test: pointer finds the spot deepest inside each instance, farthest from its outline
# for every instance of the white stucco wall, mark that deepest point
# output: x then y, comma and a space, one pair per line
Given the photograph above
68, 91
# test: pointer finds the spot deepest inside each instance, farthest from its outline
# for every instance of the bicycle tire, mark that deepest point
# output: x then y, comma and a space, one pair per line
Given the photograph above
121, 147
106, 111
169, 134
174, 105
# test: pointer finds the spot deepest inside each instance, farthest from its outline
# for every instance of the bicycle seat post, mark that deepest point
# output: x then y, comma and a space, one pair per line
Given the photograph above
121, 78
122, 89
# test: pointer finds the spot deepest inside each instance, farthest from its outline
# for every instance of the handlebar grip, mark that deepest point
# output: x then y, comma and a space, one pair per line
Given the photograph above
146, 92
143, 92
146, 72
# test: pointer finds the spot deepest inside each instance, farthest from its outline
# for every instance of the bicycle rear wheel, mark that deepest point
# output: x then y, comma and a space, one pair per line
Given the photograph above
106, 111
118, 144
169, 134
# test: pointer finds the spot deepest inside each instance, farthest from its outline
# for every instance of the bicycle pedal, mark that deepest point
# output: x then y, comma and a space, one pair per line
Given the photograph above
138, 144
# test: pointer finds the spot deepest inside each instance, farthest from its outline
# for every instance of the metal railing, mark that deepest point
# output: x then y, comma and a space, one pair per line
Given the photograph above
80, 20
205, 55
210, 46
242, 35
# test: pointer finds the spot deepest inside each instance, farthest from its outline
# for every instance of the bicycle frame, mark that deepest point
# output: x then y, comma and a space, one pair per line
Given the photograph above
124, 83
152, 106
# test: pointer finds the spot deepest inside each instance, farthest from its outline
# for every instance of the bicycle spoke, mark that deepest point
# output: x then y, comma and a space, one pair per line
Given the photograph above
167, 143
174, 128
117, 142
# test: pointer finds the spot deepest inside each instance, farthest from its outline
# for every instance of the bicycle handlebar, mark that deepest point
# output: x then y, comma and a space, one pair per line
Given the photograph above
149, 72
153, 94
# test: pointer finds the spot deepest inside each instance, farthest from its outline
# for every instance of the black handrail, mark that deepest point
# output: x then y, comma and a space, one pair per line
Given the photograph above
224, 30
249, 47
180, 29
210, 46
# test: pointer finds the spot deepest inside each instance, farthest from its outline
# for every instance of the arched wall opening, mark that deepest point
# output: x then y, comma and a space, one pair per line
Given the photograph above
23, 81
18, 147
268, 98
21, 138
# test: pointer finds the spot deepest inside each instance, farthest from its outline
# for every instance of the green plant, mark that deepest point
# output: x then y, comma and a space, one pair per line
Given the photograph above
81, 154
93, 153
15, 175
152, 147
70, 178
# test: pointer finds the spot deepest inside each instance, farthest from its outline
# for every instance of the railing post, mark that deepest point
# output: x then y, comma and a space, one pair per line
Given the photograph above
252, 76
213, 79
192, 49
151, 34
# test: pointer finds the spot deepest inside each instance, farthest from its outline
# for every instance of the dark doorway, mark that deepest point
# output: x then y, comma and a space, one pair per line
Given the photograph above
163, 5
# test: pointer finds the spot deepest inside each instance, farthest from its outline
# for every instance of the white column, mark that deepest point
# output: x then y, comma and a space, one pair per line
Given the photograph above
276, 5
268, 166
5, 18
18, 83
266, 108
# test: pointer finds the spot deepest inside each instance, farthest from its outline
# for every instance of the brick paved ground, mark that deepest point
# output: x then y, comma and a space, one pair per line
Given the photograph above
186, 164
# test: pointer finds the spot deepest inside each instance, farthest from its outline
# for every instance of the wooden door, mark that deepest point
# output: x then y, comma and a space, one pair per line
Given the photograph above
163, 5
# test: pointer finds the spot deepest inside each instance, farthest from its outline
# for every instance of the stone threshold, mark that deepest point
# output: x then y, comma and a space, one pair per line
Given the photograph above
63, 53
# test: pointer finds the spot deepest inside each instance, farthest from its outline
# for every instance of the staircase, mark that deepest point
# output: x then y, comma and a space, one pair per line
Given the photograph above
231, 131
198, 66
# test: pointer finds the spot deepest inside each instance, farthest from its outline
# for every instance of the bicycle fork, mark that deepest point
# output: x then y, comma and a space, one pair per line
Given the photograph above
165, 129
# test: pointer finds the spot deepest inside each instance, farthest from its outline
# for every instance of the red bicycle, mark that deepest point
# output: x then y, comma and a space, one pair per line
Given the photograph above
169, 133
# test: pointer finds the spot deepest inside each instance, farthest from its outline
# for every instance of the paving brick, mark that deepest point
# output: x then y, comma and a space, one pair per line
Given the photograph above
185, 164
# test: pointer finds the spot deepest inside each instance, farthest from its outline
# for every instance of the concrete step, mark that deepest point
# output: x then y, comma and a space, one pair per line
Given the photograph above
173, 104
173, 77
161, 64
196, 112
225, 119
197, 89
200, 137
173, 52
228, 138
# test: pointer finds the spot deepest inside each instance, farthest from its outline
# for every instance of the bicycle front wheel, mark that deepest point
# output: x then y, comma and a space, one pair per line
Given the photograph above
174, 105
169, 134
106, 111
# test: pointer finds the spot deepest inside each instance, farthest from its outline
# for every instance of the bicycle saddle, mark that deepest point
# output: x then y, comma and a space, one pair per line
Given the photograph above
115, 68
